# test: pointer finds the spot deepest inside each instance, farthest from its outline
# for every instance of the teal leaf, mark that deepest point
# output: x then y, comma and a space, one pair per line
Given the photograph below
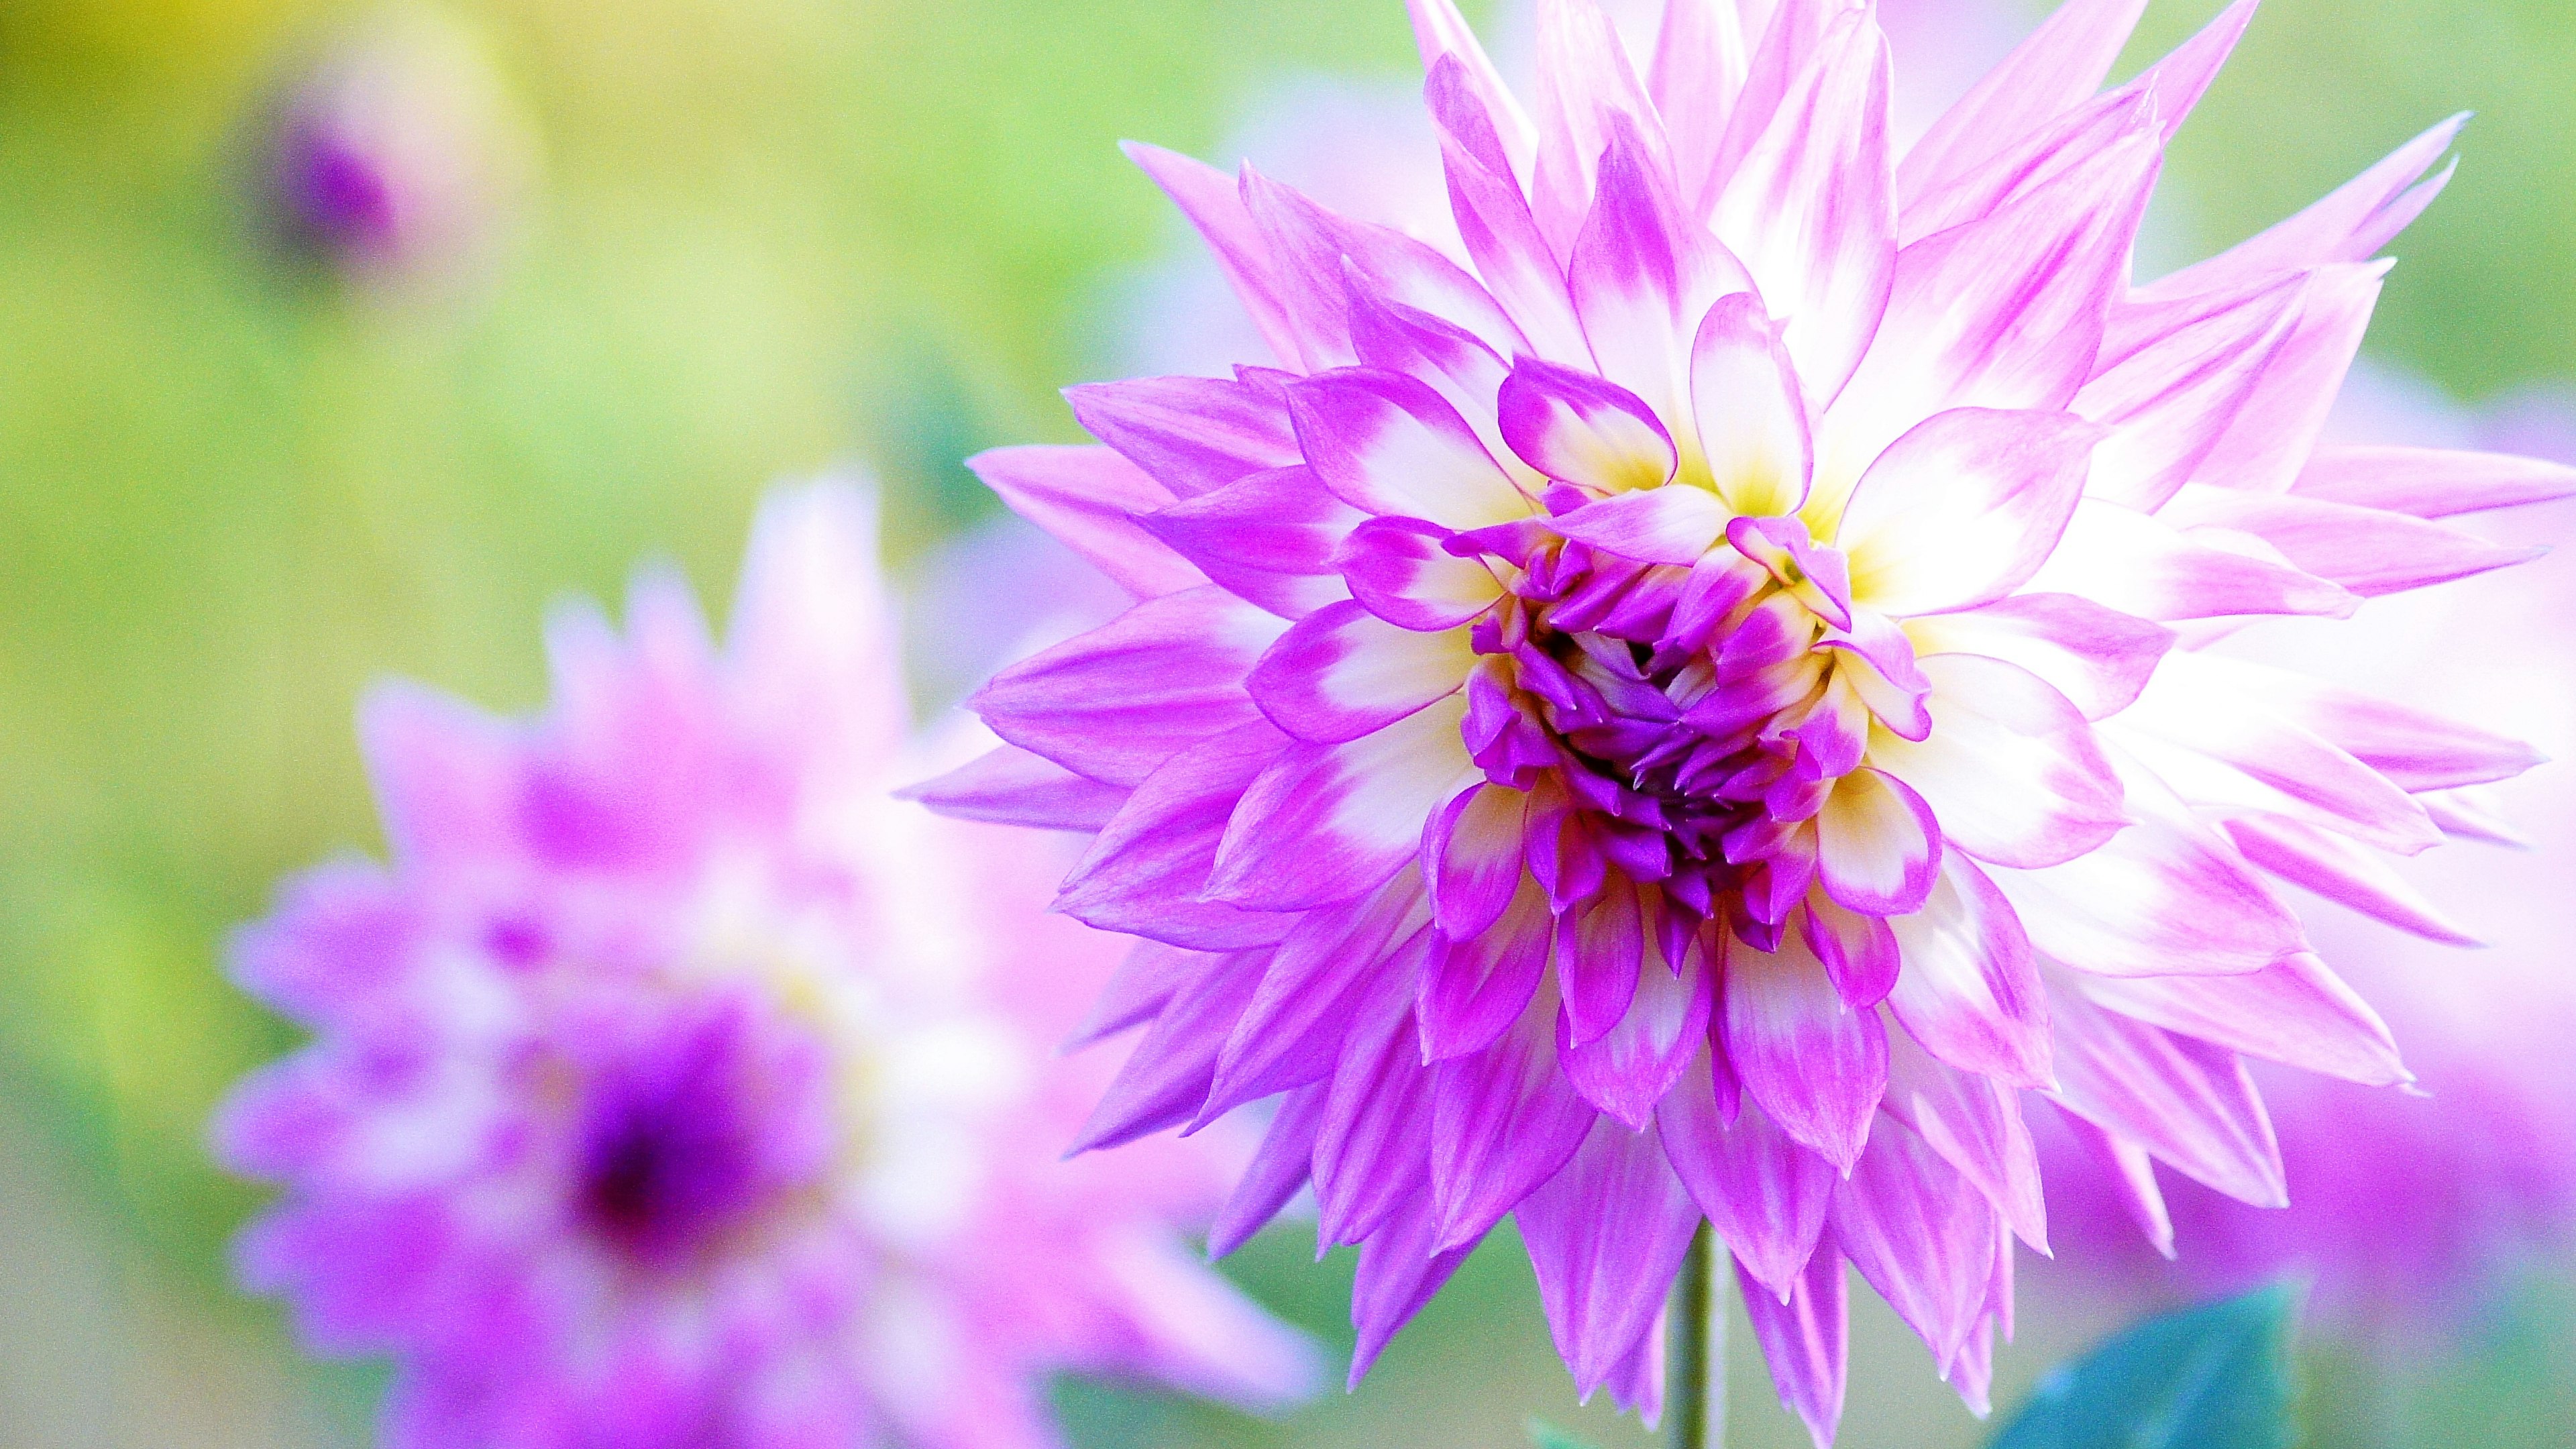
1548, 1436
2213, 1377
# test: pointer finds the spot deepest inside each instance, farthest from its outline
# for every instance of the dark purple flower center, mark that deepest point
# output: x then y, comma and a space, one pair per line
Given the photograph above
690, 1134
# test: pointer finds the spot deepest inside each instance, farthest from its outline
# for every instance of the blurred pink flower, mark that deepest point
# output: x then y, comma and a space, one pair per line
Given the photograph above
676, 1086
1694, 702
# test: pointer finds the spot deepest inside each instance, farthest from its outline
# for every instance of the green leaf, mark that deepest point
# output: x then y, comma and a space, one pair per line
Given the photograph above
1548, 1436
2214, 1377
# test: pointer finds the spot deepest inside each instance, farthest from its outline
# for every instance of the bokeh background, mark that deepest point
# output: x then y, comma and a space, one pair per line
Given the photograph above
673, 250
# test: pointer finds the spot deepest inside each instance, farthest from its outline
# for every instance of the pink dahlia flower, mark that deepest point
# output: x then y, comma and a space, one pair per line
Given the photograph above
2408, 1207
1698, 712
675, 1086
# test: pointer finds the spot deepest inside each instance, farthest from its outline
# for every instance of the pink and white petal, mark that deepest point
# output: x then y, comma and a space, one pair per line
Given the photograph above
1343, 672
1455, 362
2429, 482
1475, 987
2167, 896
1146, 869
1209, 198
1400, 572
2098, 657
1702, 54
1810, 210
1578, 428
1750, 410
1473, 855
1629, 1069
1326, 822
1805, 1338
1587, 96
1672, 525
1962, 510
1600, 947
2417, 749
1814, 1064
1878, 847
1504, 1119
2344, 872
1643, 273
449, 779
1606, 1235
2185, 1100
2002, 313
1975, 1123
1009, 786
1444, 38
2177, 390
2294, 1011
2125, 560
2285, 414
1193, 435
1970, 991
1783, 47
1765, 1195
1321, 260
2011, 769
1115, 703
2350, 224
1922, 1235
1494, 218
1859, 952
1087, 498
2215, 747
2058, 68
1389, 445
2365, 550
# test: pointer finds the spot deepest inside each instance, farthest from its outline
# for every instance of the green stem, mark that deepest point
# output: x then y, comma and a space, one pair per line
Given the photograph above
1695, 1358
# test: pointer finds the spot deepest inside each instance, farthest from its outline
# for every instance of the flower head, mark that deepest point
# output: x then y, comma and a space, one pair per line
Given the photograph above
676, 1086
1694, 707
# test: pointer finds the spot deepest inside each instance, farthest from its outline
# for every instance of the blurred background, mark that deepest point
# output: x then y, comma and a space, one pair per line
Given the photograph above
337, 340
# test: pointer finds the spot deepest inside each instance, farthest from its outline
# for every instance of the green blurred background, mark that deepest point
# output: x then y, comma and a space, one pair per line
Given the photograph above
741, 239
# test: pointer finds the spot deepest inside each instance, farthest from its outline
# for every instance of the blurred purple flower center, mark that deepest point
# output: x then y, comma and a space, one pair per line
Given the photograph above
679, 1143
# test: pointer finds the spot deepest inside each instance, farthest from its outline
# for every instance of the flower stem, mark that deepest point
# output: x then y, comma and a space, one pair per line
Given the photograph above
1695, 1358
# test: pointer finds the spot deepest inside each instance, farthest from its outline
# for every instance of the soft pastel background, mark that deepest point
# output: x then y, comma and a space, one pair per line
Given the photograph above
727, 240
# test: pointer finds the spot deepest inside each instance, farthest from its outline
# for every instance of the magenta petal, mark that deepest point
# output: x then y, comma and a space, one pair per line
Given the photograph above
1473, 989
1494, 218
2099, 658
1577, 428
1859, 952
1009, 786
1144, 982
2061, 65
2350, 225
1088, 498
1145, 870
1630, 1068
1370, 1157
1672, 525
1765, 1195
1400, 1267
1117, 702
1643, 273
2430, 482
1165, 1079
1389, 445
1599, 949
1193, 435
1210, 200
1398, 569
1606, 1234
1805, 1337
1319, 976
2294, 1011
1922, 1235
1503, 1121
1816, 1066
2130, 1175
2367, 551
1278, 1170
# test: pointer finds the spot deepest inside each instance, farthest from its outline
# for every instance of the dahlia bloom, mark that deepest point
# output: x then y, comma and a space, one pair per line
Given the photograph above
2409, 1207
675, 1086
1698, 711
